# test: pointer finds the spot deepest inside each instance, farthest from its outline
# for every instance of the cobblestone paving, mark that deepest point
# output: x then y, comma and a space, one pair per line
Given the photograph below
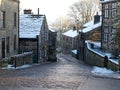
66, 74
62, 75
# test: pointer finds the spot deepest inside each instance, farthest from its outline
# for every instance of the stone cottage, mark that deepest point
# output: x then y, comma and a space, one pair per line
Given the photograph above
70, 41
31, 29
9, 27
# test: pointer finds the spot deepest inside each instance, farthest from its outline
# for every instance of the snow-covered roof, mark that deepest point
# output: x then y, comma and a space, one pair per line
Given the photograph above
88, 23
71, 33
30, 27
52, 30
90, 26
106, 1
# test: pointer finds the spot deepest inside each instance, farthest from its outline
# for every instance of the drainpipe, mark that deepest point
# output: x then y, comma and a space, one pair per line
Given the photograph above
37, 48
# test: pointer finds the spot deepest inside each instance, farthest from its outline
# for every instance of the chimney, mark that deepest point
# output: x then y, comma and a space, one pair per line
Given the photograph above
78, 25
74, 28
38, 12
96, 18
27, 11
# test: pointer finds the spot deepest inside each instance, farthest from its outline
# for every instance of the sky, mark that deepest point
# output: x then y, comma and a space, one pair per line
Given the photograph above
51, 8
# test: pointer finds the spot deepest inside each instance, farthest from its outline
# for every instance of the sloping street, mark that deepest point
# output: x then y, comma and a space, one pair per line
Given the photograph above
66, 74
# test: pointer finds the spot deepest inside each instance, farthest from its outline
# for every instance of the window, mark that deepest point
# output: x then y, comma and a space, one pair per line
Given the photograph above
8, 44
15, 42
106, 30
4, 15
106, 13
2, 19
105, 37
113, 31
106, 6
15, 19
114, 5
114, 11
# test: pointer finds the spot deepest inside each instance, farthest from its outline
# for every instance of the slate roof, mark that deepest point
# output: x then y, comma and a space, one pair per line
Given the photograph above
30, 27
71, 33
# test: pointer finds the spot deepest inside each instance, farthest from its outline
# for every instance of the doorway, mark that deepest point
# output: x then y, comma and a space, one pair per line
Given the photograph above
3, 47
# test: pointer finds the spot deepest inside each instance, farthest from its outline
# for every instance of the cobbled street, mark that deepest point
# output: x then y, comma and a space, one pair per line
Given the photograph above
66, 74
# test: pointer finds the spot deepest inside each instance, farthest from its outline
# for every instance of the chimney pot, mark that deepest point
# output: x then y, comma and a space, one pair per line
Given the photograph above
96, 18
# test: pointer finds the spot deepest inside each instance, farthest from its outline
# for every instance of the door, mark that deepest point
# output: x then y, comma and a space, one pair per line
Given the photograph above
3, 47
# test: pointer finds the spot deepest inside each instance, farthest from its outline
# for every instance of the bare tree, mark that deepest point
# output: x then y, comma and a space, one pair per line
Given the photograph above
84, 10
62, 24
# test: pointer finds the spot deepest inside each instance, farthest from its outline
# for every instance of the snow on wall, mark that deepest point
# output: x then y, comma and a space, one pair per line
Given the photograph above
101, 53
30, 27
105, 1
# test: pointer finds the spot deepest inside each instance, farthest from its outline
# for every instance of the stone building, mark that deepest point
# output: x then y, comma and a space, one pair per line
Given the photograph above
109, 11
52, 45
31, 30
91, 31
9, 27
70, 41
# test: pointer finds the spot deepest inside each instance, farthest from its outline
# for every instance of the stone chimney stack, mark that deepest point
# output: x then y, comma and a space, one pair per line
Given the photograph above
96, 18
78, 25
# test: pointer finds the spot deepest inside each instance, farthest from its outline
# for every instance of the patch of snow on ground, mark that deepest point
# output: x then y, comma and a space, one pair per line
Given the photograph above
103, 72
20, 67
74, 51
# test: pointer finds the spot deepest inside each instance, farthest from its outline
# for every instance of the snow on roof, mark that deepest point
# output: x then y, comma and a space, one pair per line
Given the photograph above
52, 30
90, 26
30, 27
88, 23
71, 33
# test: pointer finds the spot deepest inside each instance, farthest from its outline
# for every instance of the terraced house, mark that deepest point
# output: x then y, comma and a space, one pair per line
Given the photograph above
9, 13
109, 11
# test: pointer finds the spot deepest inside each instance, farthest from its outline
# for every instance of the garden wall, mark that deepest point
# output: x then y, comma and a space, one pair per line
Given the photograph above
22, 59
96, 59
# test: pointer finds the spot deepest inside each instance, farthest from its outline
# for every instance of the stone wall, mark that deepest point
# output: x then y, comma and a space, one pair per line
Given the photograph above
22, 59
94, 59
113, 66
